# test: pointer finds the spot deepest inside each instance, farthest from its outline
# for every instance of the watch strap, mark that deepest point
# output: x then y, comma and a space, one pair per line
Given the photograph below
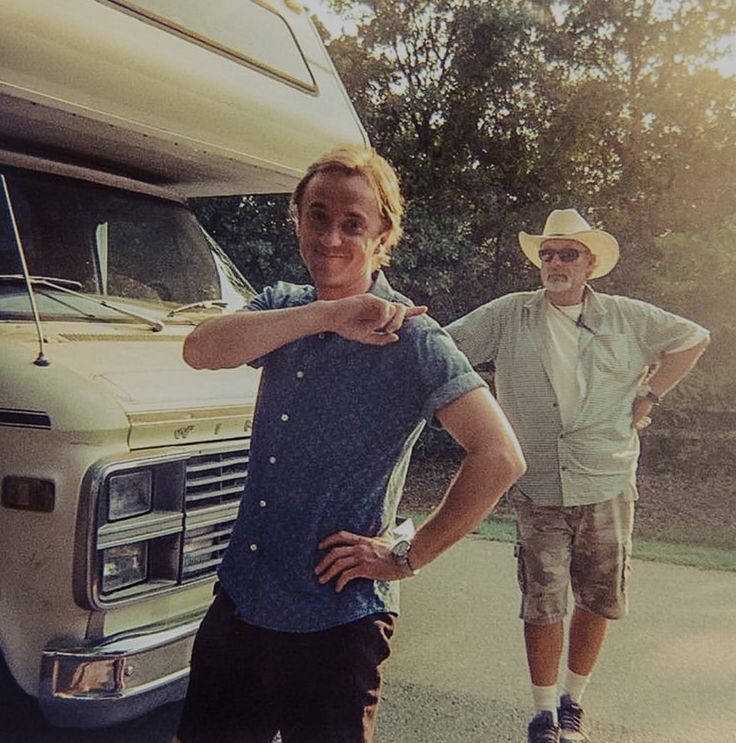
646, 392
401, 555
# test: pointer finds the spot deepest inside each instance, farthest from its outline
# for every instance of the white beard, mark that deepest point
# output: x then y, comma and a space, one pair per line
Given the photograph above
557, 284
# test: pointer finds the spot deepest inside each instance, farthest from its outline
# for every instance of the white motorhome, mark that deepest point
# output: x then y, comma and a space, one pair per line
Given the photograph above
122, 468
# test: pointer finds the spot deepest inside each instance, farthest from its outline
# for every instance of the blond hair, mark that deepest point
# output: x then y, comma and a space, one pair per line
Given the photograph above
381, 177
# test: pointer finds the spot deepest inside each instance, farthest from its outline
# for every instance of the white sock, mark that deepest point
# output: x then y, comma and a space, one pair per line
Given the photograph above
574, 685
545, 698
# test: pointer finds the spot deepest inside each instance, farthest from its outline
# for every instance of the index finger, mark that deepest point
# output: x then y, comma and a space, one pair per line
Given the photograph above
396, 320
401, 313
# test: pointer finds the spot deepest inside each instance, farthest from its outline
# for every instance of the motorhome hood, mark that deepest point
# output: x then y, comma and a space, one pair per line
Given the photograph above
164, 400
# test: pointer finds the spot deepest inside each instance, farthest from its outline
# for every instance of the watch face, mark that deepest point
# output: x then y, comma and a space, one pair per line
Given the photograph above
401, 549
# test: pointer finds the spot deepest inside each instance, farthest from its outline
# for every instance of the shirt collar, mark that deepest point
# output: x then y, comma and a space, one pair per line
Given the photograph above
593, 308
380, 286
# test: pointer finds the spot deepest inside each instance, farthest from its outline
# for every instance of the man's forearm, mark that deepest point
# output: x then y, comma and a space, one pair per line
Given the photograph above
232, 340
673, 367
479, 484
226, 342
493, 462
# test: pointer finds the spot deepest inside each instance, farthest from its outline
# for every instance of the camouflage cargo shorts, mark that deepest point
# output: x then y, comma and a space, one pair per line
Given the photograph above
585, 547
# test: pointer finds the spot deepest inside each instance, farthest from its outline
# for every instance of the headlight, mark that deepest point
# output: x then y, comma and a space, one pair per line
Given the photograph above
124, 566
128, 494
138, 534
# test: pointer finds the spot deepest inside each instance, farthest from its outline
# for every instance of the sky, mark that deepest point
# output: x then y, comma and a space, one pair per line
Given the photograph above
335, 24
332, 21
728, 67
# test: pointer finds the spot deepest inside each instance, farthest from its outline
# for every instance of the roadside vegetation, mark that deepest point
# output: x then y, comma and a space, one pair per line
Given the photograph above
704, 558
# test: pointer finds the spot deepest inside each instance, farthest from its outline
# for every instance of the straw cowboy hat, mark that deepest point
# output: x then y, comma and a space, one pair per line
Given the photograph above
568, 223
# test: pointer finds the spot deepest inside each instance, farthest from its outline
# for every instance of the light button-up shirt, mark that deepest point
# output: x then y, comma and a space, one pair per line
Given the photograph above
593, 457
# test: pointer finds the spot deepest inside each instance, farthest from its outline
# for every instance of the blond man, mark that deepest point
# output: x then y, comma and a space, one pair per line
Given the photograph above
352, 372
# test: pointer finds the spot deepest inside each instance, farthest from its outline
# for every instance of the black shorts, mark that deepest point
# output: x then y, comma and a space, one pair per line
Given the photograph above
247, 683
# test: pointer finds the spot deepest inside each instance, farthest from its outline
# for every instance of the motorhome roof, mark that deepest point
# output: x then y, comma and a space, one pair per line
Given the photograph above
115, 85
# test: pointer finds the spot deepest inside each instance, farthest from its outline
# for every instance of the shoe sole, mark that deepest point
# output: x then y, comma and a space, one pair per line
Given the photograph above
573, 737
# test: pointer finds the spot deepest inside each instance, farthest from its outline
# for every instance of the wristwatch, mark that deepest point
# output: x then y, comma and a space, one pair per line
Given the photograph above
400, 555
648, 393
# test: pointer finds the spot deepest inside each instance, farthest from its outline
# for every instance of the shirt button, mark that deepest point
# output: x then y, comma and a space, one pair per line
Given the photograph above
284, 417
254, 548
262, 503
272, 460
300, 374
321, 335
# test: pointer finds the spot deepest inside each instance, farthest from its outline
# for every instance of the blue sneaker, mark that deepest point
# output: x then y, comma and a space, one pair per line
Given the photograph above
573, 725
542, 729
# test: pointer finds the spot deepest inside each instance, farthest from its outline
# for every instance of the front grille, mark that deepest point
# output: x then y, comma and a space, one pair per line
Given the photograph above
214, 479
214, 486
180, 539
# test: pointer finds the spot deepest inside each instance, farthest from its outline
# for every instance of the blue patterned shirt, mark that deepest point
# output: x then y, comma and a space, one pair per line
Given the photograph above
334, 427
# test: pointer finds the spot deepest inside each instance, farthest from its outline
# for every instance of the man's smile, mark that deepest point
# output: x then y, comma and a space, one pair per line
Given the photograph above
330, 255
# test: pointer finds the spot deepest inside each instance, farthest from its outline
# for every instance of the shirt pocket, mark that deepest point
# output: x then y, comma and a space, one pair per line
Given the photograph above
612, 353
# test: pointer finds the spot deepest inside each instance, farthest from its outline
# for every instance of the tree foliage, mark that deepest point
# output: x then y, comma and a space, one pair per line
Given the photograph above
257, 234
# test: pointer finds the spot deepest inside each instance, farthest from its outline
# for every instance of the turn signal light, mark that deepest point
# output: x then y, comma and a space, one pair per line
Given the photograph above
28, 494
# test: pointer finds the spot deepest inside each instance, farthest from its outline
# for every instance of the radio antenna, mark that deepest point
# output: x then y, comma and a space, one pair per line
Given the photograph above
41, 359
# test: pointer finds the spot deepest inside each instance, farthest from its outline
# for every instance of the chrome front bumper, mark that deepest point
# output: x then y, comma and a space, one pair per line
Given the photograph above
120, 678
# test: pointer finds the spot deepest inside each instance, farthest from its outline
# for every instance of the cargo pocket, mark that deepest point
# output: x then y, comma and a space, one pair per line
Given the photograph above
520, 567
625, 568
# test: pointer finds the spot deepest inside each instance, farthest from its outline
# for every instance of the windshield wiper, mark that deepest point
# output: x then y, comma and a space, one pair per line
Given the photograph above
56, 280
206, 304
58, 285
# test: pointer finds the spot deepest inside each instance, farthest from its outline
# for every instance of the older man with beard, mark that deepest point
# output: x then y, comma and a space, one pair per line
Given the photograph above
577, 373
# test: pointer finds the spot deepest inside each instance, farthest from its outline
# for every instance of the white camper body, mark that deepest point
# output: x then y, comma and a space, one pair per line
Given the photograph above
122, 468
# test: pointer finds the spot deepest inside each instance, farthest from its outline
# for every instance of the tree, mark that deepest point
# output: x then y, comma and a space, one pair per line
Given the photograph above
437, 85
257, 234
695, 274
645, 127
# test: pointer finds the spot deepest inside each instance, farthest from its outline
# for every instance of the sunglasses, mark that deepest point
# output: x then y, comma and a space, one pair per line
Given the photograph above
566, 255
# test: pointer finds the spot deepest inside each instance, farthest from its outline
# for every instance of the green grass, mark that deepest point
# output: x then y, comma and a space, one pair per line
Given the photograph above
704, 558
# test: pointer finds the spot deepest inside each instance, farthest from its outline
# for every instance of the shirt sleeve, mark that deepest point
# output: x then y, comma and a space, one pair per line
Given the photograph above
478, 333
266, 300
276, 297
443, 371
697, 337
664, 332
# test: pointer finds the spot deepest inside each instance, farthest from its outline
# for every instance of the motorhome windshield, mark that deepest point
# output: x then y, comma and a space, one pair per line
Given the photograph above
138, 251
